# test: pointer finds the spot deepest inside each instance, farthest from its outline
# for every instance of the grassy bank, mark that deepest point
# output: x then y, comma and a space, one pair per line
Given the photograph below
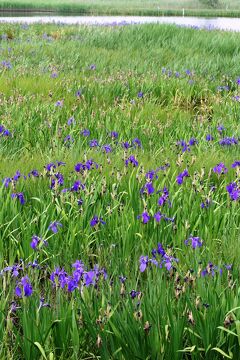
228, 8
120, 149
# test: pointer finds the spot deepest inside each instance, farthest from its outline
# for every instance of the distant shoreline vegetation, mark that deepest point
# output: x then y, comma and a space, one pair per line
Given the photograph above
134, 7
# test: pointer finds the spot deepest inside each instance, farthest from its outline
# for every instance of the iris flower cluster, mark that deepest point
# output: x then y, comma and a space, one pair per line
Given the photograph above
233, 190
160, 258
79, 277
185, 146
88, 165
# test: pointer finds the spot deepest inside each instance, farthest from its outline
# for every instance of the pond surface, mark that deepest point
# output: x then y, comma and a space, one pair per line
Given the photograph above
232, 24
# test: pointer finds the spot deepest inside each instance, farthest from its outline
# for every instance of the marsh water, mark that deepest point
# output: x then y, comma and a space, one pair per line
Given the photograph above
231, 24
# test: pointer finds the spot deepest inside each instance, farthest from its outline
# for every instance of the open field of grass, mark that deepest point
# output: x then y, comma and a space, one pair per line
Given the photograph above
130, 7
120, 169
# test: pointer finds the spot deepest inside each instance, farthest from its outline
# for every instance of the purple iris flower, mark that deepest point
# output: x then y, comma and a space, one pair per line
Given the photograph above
113, 134
78, 266
18, 291
59, 103
93, 143
33, 173
168, 264
85, 132
54, 226
54, 75
60, 163
236, 164
78, 93
20, 197
35, 264
2, 128
220, 169
14, 270
89, 278
58, 179
96, 220
233, 191
184, 145
150, 175
131, 160
134, 294
78, 185
126, 145
122, 279
6, 133
160, 250
145, 217
148, 187
165, 194
60, 275
24, 287
71, 284
36, 241
236, 98
80, 202
6, 64
181, 176
192, 141
140, 95
80, 167
169, 219
68, 139
7, 181
226, 88
220, 128
209, 137
195, 241
107, 148
17, 176
50, 166
137, 142
71, 121
89, 165
143, 263
158, 216
205, 204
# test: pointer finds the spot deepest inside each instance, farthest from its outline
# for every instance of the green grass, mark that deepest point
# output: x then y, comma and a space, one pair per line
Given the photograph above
105, 322
229, 8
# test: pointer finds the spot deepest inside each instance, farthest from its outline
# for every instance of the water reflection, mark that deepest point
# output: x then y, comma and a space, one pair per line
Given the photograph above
232, 24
